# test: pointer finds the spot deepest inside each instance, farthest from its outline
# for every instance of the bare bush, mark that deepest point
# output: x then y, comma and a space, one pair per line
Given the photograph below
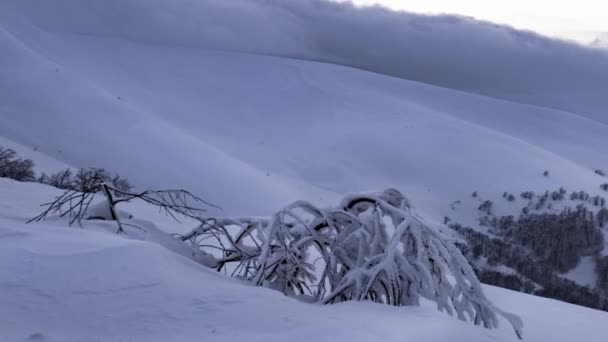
89, 180
85, 180
75, 202
61, 180
11, 166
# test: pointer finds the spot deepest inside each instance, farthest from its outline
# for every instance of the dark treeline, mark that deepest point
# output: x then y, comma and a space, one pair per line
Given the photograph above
539, 246
14, 167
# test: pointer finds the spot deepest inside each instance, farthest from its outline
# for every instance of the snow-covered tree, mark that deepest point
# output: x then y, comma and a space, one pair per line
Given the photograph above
370, 247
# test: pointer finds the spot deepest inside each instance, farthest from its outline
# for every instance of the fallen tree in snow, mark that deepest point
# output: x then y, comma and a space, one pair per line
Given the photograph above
371, 247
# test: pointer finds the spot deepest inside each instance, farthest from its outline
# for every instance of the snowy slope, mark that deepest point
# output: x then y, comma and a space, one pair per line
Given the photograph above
71, 284
233, 100
448, 51
237, 128
39, 154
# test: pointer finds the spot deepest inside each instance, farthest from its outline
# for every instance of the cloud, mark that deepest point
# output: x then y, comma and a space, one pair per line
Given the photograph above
448, 51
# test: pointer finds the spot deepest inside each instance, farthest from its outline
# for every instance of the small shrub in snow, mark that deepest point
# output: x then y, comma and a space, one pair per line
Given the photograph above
11, 166
557, 195
454, 204
486, 207
600, 172
90, 180
580, 195
546, 173
598, 201
75, 203
509, 197
87, 180
61, 180
542, 200
604, 186
527, 195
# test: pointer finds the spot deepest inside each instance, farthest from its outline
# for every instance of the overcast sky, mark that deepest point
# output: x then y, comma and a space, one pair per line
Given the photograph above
577, 19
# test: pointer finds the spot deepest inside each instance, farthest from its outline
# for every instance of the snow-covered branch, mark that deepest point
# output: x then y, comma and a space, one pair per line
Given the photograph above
371, 247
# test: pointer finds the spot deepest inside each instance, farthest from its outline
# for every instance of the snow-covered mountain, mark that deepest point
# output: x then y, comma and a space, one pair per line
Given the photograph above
254, 104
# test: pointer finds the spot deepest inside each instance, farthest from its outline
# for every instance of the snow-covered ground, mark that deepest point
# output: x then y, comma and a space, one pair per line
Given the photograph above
88, 284
169, 94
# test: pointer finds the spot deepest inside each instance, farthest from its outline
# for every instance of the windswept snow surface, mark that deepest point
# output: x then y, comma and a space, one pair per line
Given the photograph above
109, 84
88, 284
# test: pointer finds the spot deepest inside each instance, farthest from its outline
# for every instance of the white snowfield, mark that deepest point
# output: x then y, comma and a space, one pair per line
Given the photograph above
202, 95
88, 284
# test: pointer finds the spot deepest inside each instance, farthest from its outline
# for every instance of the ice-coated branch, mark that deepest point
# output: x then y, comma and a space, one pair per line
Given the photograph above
370, 247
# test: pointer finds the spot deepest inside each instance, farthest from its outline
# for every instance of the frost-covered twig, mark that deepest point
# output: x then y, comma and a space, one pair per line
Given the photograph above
75, 203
